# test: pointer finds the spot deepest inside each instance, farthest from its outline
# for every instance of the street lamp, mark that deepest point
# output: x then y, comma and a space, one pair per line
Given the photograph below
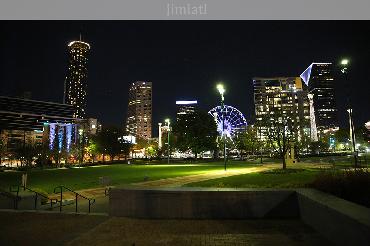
344, 69
168, 139
221, 90
160, 135
81, 133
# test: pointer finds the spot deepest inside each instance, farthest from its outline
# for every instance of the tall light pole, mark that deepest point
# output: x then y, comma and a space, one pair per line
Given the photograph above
81, 133
221, 90
168, 139
344, 69
160, 135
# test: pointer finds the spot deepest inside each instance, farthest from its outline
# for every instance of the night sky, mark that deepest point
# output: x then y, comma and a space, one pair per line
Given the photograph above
183, 59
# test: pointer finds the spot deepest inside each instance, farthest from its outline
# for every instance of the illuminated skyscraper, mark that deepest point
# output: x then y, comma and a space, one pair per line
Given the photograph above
320, 81
185, 107
281, 97
75, 86
139, 112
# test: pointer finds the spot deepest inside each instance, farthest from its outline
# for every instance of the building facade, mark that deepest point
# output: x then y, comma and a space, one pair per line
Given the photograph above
75, 86
93, 126
281, 97
185, 107
24, 121
319, 78
139, 111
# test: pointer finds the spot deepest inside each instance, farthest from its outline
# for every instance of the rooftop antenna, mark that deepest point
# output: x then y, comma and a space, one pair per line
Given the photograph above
80, 36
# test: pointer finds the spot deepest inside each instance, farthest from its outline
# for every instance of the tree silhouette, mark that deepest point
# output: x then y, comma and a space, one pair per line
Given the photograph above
196, 132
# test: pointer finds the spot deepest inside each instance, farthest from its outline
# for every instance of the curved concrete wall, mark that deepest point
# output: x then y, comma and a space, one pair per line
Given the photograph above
340, 221
202, 204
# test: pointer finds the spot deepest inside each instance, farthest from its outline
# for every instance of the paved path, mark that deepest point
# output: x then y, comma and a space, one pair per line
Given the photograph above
183, 180
127, 231
31, 228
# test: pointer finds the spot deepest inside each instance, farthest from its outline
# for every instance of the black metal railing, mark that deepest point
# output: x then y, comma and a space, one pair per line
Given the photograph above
37, 196
61, 188
10, 195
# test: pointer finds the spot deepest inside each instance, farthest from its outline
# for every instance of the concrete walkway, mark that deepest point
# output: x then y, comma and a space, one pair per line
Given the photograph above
126, 231
46, 228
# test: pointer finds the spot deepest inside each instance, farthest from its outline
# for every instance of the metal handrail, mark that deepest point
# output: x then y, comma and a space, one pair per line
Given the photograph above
36, 195
12, 196
61, 187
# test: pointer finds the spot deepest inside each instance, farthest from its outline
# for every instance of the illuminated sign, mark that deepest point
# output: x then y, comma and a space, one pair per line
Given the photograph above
186, 102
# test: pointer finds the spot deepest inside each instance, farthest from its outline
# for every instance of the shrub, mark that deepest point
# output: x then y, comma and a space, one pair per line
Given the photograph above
352, 185
68, 165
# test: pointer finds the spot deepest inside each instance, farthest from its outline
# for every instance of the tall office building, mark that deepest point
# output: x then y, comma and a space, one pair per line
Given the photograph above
75, 86
185, 107
319, 79
284, 96
139, 112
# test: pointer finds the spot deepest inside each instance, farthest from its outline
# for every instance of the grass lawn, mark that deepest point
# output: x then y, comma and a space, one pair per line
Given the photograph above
344, 161
277, 179
293, 178
120, 174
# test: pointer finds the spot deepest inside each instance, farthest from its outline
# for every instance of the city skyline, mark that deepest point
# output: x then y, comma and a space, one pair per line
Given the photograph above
190, 59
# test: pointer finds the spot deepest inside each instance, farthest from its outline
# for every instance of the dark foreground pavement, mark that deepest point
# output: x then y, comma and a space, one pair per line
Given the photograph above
50, 228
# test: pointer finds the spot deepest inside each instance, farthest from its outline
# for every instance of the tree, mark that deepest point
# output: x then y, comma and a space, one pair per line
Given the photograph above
141, 144
324, 142
57, 155
125, 148
2, 148
196, 132
247, 141
167, 150
302, 146
152, 150
280, 133
43, 154
108, 143
75, 152
342, 135
27, 152
318, 147
92, 148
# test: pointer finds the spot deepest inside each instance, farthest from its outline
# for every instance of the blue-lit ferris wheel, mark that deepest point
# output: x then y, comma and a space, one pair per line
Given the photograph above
234, 120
